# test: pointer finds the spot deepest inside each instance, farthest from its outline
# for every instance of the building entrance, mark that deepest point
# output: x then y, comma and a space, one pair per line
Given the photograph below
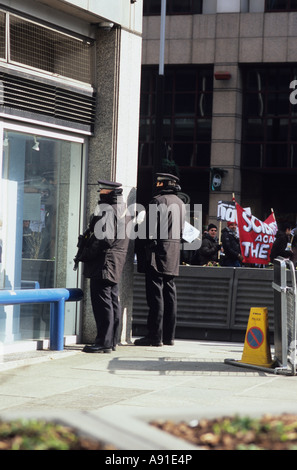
40, 189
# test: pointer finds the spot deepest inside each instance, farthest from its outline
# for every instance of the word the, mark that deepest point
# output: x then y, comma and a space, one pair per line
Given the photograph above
259, 250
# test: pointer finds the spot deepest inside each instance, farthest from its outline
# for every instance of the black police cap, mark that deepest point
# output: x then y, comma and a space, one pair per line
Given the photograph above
104, 184
167, 177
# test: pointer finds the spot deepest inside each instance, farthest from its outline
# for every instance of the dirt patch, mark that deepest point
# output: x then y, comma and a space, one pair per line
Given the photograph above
237, 433
41, 435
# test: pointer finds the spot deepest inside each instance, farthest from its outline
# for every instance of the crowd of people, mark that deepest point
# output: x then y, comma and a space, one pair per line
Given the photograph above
227, 252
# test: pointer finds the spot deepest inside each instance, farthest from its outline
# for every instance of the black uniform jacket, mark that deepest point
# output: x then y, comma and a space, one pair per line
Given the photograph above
105, 254
165, 217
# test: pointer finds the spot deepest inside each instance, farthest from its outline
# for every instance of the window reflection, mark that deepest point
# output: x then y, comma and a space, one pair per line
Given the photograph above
268, 118
281, 5
173, 7
187, 115
39, 212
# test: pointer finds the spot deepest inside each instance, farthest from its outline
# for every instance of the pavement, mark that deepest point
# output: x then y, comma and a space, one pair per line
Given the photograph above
190, 378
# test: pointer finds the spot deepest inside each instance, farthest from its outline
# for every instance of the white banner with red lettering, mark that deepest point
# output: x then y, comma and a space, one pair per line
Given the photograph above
256, 237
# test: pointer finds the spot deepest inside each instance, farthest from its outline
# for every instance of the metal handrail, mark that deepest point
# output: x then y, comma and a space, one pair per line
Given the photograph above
56, 297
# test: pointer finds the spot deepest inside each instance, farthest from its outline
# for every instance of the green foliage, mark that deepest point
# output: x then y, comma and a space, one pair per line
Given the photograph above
36, 435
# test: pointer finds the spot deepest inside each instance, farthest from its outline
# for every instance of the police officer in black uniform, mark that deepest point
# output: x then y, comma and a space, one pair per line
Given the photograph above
165, 217
104, 257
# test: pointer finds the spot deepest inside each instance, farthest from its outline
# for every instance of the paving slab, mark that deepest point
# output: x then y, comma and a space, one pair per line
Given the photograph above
189, 379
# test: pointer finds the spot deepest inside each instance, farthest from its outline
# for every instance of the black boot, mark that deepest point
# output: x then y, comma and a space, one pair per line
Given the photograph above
145, 341
96, 348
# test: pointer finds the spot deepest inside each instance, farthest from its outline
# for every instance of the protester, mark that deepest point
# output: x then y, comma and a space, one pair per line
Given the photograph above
104, 256
161, 260
282, 245
231, 246
208, 252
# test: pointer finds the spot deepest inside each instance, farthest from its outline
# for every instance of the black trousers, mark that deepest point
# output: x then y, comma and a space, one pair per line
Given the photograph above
162, 304
107, 312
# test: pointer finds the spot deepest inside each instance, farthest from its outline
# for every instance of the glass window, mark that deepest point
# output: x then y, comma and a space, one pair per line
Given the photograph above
173, 7
39, 213
187, 115
293, 155
252, 155
184, 104
281, 5
268, 121
254, 129
184, 129
185, 81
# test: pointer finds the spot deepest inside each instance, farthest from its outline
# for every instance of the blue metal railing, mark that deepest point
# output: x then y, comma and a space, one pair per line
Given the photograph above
56, 297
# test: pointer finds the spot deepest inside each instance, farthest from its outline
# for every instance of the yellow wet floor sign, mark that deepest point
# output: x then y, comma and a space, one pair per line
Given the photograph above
256, 349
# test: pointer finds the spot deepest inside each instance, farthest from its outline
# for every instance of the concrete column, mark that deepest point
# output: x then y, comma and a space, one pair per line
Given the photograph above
227, 111
113, 150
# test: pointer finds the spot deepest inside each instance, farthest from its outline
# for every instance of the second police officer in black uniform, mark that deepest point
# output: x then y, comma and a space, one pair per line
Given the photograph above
104, 256
164, 220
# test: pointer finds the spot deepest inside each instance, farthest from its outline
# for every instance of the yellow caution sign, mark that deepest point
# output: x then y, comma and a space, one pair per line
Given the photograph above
256, 349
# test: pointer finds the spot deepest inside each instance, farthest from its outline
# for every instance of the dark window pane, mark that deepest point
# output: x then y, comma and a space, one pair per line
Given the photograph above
277, 130
183, 154
197, 6
203, 154
294, 130
205, 80
168, 100
277, 156
145, 104
185, 81
180, 6
145, 154
145, 82
167, 125
277, 4
252, 156
152, 7
183, 129
187, 116
254, 130
144, 130
168, 82
184, 104
255, 79
254, 104
293, 155
173, 7
204, 129
204, 104
278, 104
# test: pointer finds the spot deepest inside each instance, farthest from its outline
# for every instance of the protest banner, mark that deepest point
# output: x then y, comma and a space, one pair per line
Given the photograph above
226, 211
256, 237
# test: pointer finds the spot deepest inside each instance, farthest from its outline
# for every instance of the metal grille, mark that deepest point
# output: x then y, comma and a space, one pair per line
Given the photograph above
30, 96
203, 302
285, 315
2, 35
49, 50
